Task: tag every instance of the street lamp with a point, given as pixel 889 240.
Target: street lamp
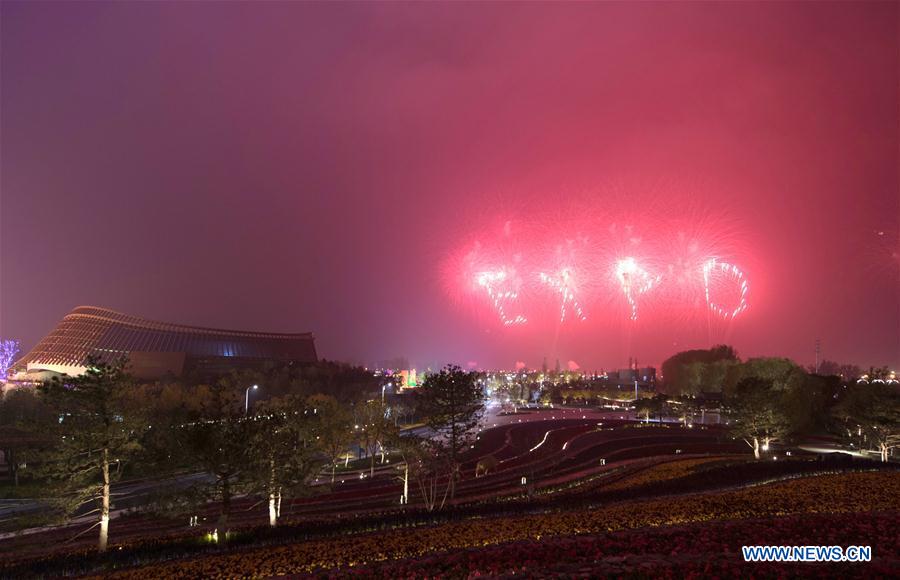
pixel 247 398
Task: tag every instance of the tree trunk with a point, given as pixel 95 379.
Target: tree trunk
pixel 13 465
pixel 333 467
pixel 406 484
pixel 273 513
pixel 453 466
pixel 756 448
pixel 428 489
pixel 226 503
pixel 884 452
pixel 278 504
pixel 104 506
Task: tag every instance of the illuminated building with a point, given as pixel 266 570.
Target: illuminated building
pixel 407 379
pixel 155 349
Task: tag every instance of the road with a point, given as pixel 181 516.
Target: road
pixel 126 495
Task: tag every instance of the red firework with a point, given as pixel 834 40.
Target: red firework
pixel 582 262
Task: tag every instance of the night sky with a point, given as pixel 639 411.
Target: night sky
pixel 322 167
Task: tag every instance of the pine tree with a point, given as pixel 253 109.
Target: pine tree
pixel 98 431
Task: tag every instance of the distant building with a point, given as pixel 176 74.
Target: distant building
pixel 154 349
pixel 407 379
pixel 645 377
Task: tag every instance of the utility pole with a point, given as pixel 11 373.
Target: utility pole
pixel 818 353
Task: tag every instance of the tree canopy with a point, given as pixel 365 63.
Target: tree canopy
pixel 693 371
pixel 452 402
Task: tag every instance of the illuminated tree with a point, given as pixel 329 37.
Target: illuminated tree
pixel 874 411
pixel 802 399
pixel 452 403
pixel 757 413
pixel 281 451
pixel 8 351
pixel 375 429
pixel 216 442
pixel 426 463
pixel 97 431
pixel 650 406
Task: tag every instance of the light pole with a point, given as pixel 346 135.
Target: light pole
pixel 247 398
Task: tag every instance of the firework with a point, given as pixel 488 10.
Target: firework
pixel 555 269
pixel 635 281
pixel 562 283
pixel 716 275
pixel 502 289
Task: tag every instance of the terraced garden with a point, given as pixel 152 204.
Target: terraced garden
pixel 587 484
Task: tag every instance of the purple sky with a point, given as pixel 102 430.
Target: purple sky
pixel 309 167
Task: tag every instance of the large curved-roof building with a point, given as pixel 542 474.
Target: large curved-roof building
pixel 155 349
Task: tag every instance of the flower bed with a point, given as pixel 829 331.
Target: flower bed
pixel 140 539
pixel 662 472
pixel 681 551
pixel 857 492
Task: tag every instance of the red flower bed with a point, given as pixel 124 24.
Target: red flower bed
pixel 684 551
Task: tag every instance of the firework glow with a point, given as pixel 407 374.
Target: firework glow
pixel 635 281
pixel 532 274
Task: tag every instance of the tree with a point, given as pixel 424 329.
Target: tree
pixel 847 372
pixel 874 410
pixel 333 427
pixel 686 372
pixel 281 450
pixel 215 441
pixel 756 412
pixel 649 406
pixel 403 412
pixel 343 382
pixel 452 403
pixel 8 351
pixel 426 462
pixel 784 374
pixel 806 403
pixel 688 406
pixel 802 398
pixel 692 375
pixel 376 430
pixel 25 424
pixel 97 430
